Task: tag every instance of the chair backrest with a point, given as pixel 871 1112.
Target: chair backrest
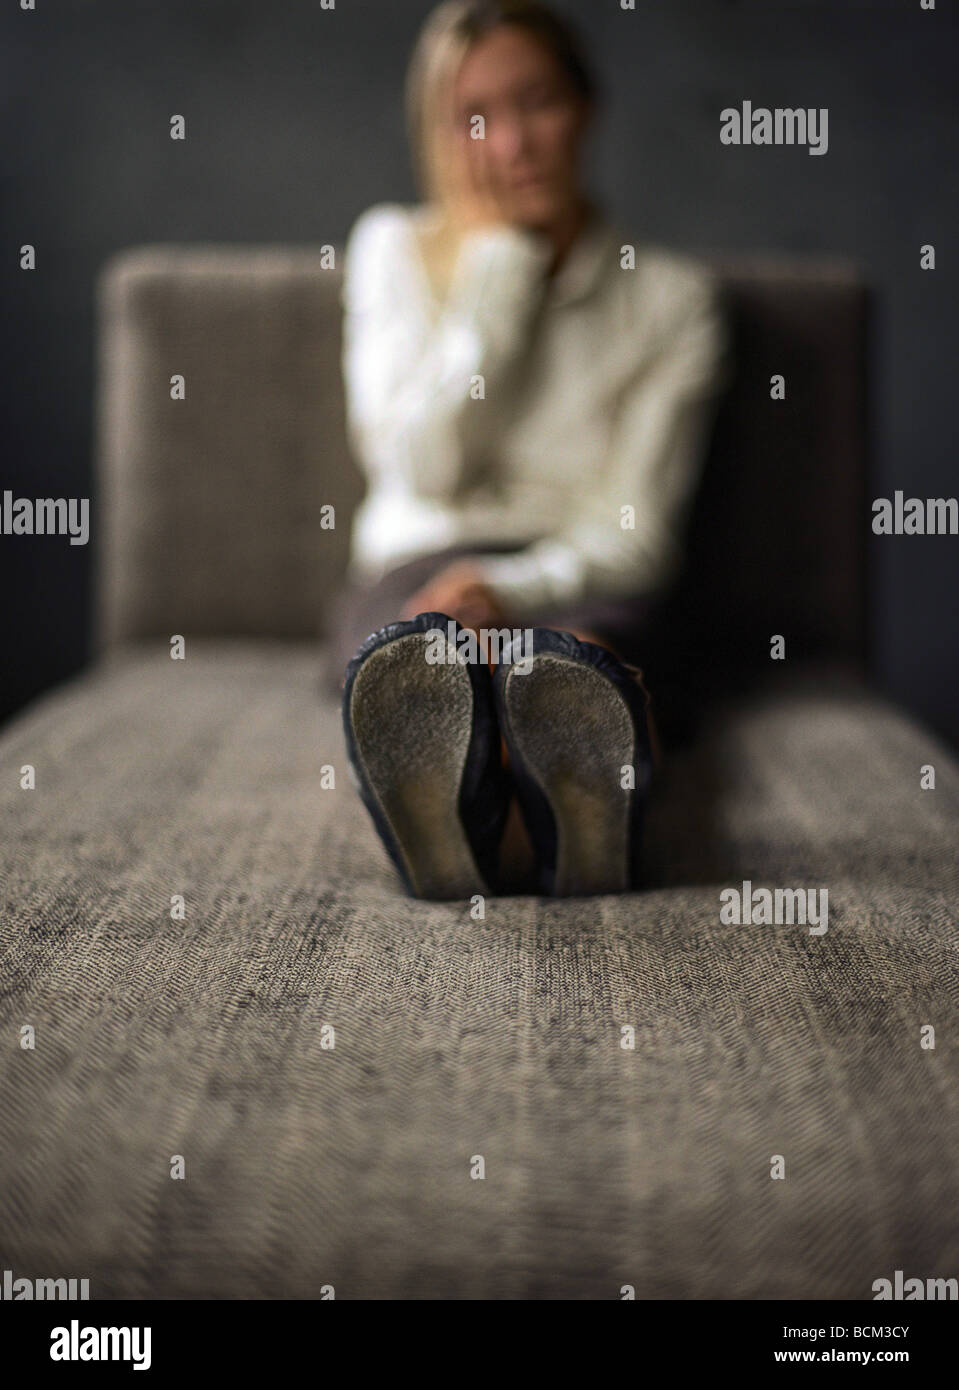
pixel 211 506
pixel 776 540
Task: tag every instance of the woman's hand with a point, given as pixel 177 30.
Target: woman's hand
pixel 479 204
pixel 470 194
pixel 460 591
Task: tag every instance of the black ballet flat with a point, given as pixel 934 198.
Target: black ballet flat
pixel 574 718
pixel 425 755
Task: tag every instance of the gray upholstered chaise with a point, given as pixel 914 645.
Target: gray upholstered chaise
pixel 309 1165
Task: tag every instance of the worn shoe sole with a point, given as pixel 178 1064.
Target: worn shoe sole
pixel 411 724
pixel 571 731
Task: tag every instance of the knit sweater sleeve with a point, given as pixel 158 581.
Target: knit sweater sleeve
pixel 408 370
pixel 627 533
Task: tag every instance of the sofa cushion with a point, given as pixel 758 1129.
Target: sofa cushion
pixel 309 1165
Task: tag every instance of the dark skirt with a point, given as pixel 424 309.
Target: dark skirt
pixel 358 610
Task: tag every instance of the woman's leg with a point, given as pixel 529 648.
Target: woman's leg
pixel 359 609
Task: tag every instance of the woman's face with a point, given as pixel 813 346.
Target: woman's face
pixel 534 122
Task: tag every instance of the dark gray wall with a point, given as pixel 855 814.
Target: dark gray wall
pixel 295 125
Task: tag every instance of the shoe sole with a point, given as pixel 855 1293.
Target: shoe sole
pixel 574 733
pixel 412 722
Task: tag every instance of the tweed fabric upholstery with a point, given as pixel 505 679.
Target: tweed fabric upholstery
pixel 454 1037
pixel 210 508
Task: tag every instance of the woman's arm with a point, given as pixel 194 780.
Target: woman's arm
pixel 658 450
pixel 408 377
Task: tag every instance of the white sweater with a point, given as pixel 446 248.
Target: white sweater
pixel 596 396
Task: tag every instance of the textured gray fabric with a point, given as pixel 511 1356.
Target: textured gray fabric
pixel 208 508
pixel 457 1037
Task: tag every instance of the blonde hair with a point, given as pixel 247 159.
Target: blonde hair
pixel 446 37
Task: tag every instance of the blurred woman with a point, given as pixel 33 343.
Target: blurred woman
pixel 529 394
